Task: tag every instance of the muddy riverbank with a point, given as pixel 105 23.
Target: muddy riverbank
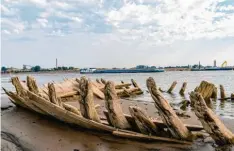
pixel 26 130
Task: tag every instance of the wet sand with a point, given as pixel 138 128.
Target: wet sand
pixel 26 130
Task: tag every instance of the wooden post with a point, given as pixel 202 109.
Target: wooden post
pixel 18 86
pixel 172 87
pixel 211 123
pixel 134 83
pixel 32 85
pixel 232 96
pixel 169 117
pixel 103 81
pixel 222 92
pixel 215 94
pixel 52 95
pixel 98 81
pixel 115 113
pixel 124 83
pixel 87 106
pixel 144 124
pixel 182 90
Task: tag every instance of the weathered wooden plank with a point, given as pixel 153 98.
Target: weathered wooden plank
pixel 144 124
pixel 211 123
pixel 87 106
pixel 169 117
pixel 115 113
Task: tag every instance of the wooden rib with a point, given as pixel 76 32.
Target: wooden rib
pixel 169 117
pixel 159 123
pixel 211 123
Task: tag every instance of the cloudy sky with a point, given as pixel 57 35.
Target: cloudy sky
pixel 116 33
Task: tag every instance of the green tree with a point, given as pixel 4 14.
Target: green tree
pixel 36 68
pixel 3 69
pixel 71 68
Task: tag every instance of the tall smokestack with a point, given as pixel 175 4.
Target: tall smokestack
pixel 214 63
pixel 56 63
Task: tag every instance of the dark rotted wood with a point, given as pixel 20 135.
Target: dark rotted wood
pixel 143 122
pixel 211 123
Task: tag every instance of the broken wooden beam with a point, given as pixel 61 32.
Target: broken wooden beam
pixel 211 123
pixel 115 113
pixel 172 87
pixel 182 90
pixel 206 89
pixel 87 106
pixel 169 117
pixel 52 95
pixel 32 86
pixel 19 86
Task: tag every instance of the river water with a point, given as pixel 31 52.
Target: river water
pixel 226 78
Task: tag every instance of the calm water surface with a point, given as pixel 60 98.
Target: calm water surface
pixel 163 80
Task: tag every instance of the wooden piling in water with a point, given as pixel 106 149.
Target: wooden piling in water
pixel 182 90
pixel 172 87
pixel 222 92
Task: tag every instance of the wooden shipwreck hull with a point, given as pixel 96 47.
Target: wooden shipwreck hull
pixel 49 101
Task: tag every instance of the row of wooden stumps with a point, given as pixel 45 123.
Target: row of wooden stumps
pixel 212 91
pixel 141 121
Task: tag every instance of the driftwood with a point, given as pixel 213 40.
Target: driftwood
pixel 87 106
pixel 182 90
pixel 222 92
pixel 115 113
pixel 144 124
pixel 172 87
pixel 211 123
pixel 232 96
pixel 169 117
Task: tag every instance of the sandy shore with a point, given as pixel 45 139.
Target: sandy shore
pixel 26 130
